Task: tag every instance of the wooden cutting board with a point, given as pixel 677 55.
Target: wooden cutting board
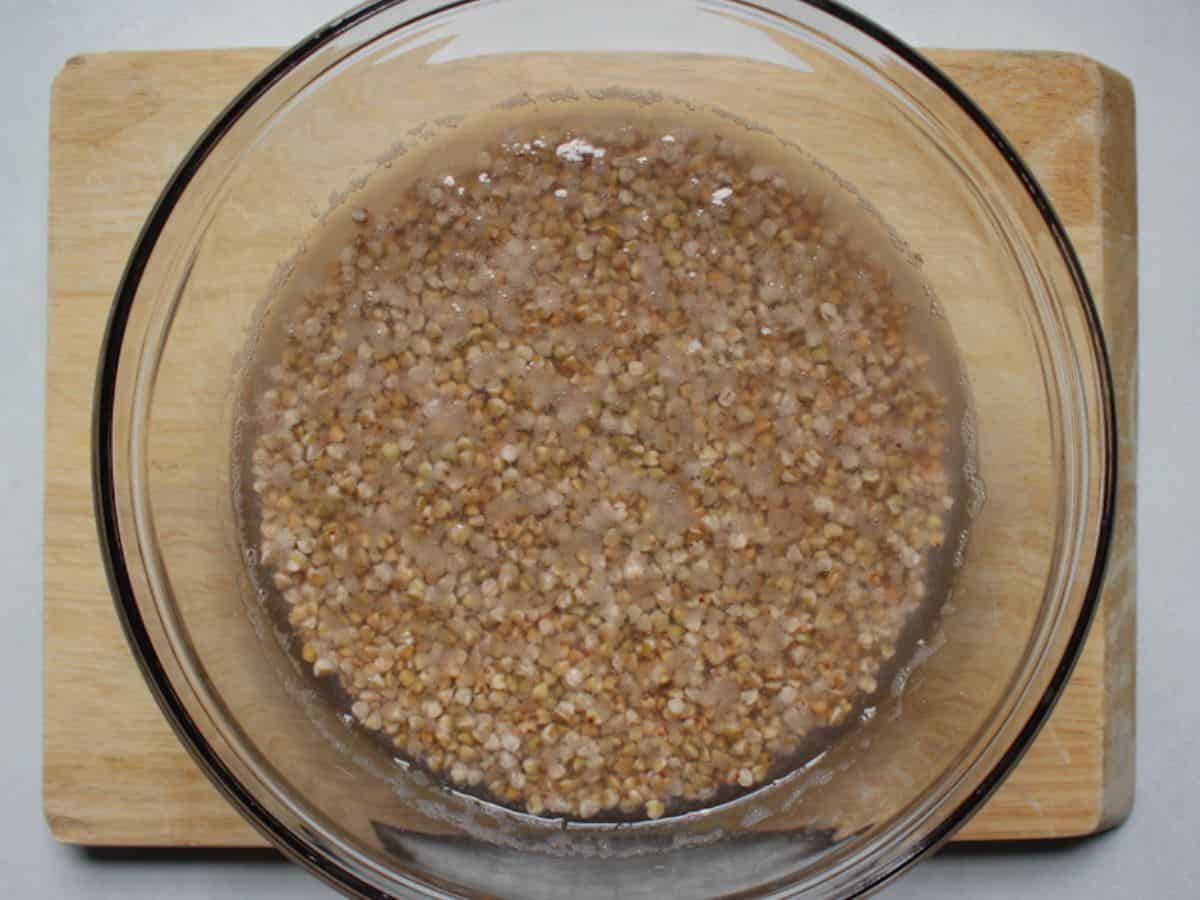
pixel 114 773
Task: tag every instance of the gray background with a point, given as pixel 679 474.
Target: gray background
pixel 1155 854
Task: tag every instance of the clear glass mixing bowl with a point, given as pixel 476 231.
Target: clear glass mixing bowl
pixel 318 123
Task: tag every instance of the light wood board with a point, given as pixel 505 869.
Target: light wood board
pixel 114 773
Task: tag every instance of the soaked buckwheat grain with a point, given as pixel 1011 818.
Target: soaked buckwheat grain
pixel 602 472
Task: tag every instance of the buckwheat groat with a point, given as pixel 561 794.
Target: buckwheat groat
pixel 602 472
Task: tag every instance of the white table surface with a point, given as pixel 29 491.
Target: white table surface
pixel 1156 854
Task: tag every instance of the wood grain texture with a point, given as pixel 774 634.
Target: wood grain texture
pixel 114 772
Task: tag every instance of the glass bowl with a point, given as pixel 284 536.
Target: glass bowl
pixel 312 130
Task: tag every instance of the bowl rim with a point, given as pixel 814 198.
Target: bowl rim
pixel 104 474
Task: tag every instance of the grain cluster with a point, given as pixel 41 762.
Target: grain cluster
pixel 603 472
